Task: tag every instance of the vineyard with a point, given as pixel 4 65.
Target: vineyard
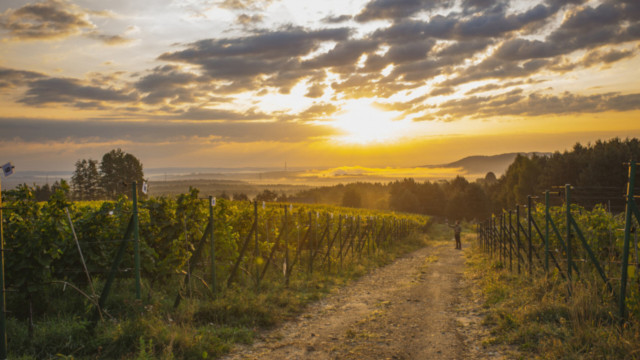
pixel 180 277
pixel 583 260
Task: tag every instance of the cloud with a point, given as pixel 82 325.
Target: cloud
pixel 245 4
pixel 413 52
pixel 497 86
pixel 10 78
pixel 158 131
pixel 245 19
pixel 46 20
pixel 199 113
pixel 490 23
pixel 396 9
pixel 315 91
pixel 54 19
pixel 318 111
pixel 70 91
pixel 345 53
pixel 583 28
pixel 465 48
pixel 336 19
pixel 515 102
pixel 271 58
pixel 168 84
pixel 109 39
pixel 417 50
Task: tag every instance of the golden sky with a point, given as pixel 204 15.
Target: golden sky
pixel 375 83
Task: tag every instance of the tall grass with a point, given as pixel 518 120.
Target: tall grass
pixel 541 318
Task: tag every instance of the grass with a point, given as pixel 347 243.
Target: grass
pixel 200 328
pixel 535 318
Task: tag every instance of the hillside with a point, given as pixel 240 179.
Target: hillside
pixel 482 164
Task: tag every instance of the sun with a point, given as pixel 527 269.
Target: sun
pixel 361 122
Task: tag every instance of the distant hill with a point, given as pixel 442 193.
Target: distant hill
pixel 482 164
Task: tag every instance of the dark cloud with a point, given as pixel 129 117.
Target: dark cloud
pixel 270 58
pixel 490 23
pixel 516 102
pixel 464 49
pixel 498 86
pixel 45 20
pixel 10 78
pixel 54 19
pixel 494 68
pixel 289 42
pixel 169 84
pixel 37 130
pixel 274 58
pixel 583 28
pixel 396 9
pixel 599 57
pixel 70 91
pixel 345 53
pixel 409 52
pixel 337 19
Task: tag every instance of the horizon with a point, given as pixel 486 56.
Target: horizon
pixel 364 83
pixel 472 168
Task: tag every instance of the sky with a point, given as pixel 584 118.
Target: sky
pixel 376 83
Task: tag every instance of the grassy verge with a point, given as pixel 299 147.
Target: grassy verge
pixel 197 329
pixel 536 318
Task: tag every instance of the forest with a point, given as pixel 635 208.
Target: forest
pixel 596 170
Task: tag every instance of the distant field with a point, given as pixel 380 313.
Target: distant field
pixel 217 187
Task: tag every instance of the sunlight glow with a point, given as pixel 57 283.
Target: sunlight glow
pixel 362 123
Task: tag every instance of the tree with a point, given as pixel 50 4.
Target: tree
pixel 240 197
pixel 86 180
pixel 42 193
pixel 267 195
pixel 117 171
pixel 490 178
pixel 351 198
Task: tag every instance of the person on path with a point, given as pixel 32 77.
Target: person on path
pixel 457 229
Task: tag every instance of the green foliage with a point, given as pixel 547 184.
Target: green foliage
pixel 35 234
pixel 267 195
pixel 117 171
pixel 46 267
pixel 86 180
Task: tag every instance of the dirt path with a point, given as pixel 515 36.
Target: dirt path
pixel 419 307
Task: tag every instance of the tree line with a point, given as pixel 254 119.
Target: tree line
pixel 596 169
